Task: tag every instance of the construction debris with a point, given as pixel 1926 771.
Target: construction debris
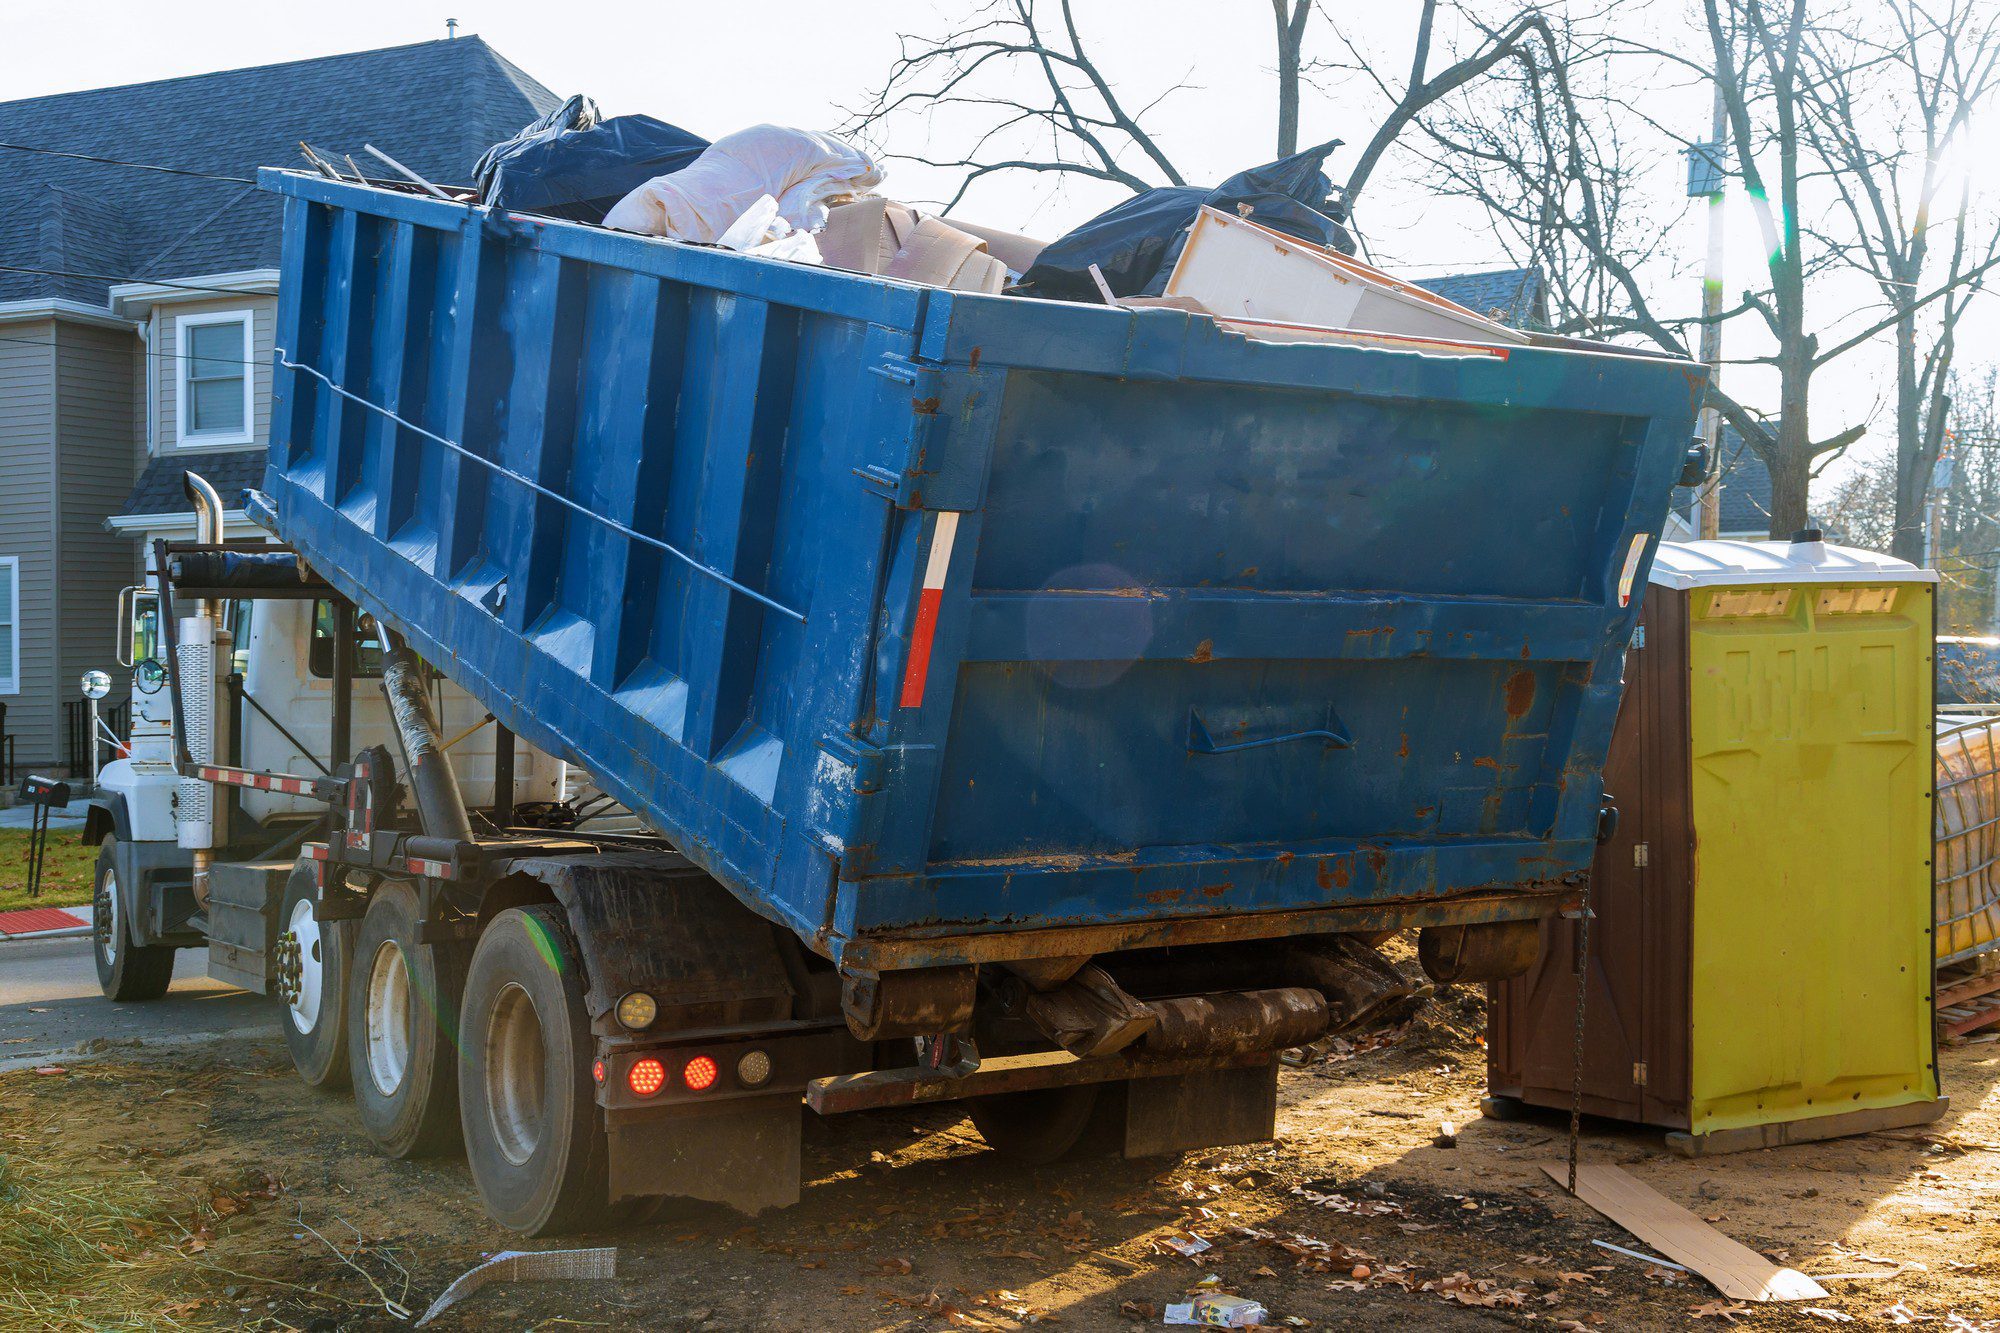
pixel 600 1264
pixel 1735 1270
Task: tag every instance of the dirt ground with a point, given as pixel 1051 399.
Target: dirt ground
pixel 208 1188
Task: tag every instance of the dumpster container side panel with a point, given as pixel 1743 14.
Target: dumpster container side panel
pixel 720 424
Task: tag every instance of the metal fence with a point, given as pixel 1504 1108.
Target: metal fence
pixel 117 719
pixel 1967 874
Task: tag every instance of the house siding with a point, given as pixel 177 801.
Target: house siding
pixel 99 460
pixel 28 528
pixel 263 332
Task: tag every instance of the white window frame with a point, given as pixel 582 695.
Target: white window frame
pixel 10 570
pixel 212 440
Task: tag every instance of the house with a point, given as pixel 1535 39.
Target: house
pixel 1515 296
pixel 137 308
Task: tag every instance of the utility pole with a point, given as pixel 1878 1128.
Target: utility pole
pixel 1706 177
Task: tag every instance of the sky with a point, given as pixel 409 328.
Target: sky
pixel 713 68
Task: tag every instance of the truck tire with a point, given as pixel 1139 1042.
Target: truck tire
pixel 1035 1128
pixel 402 1007
pixel 125 971
pixel 315 1022
pixel 534 1137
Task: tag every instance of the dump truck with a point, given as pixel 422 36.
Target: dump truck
pixel 1043 707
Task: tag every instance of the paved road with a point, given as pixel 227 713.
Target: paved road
pixel 49 995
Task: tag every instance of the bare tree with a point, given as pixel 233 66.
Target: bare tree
pixel 1893 107
pixel 1550 160
pixel 1017 85
pixel 1963 523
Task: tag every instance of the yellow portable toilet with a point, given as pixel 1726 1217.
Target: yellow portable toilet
pixel 1760 959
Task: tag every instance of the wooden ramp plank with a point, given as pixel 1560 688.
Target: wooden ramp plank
pixel 1736 1270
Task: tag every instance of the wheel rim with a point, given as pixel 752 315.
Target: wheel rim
pixel 388 1019
pixel 514 1075
pixel 312 969
pixel 114 919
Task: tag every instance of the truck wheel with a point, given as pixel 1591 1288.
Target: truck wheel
pixel 1035 1128
pixel 402 1005
pixel 314 1012
pixel 533 1135
pixel 125 971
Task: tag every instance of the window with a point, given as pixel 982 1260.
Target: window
pixel 10 624
pixel 213 351
pixel 367 652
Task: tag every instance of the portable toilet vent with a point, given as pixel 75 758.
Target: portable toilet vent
pixel 1760 958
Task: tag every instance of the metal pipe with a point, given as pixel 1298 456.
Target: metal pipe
pixel 440 803
pixel 207 531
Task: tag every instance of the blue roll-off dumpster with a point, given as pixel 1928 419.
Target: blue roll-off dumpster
pixel 947 628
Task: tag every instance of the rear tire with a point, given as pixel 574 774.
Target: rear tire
pixel 534 1137
pixel 316 1022
pixel 1035 1128
pixel 125 971
pixel 402 1005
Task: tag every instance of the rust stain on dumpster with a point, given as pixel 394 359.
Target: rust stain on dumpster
pixel 925 407
pixel 1520 693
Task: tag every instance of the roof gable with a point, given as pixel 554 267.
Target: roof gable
pixel 434 105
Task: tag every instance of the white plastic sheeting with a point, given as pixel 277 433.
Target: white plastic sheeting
pixel 799 169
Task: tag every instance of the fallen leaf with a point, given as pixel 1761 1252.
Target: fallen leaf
pixel 1831 1316
pixel 897 1266
pixel 1726 1309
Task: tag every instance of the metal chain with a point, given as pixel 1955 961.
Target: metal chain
pixel 1576 1053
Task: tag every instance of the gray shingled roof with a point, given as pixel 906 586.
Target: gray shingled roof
pixel 435 106
pixel 1514 296
pixel 159 489
pixel 1746 490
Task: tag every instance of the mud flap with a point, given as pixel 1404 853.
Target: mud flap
pixel 744 1153
pixel 1212 1109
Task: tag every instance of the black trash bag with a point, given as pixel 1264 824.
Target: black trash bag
pixel 578 172
pixel 1136 244
pixel 577 113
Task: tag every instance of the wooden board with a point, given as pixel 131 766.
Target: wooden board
pixel 1737 1271
pixel 1839 1125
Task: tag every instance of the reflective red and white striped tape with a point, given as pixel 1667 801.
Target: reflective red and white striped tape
pixel 924 634
pixel 243 777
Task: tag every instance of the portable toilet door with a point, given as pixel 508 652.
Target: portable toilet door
pixel 1760 968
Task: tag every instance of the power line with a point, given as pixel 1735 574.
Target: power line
pixel 114 277
pixel 137 351
pixel 120 162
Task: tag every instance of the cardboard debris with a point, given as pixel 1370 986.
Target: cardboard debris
pixel 879 236
pixel 1241 269
pixel 599 1264
pixel 1736 1271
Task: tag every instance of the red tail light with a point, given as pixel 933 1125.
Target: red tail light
pixel 646 1077
pixel 699 1073
pixel 597 1070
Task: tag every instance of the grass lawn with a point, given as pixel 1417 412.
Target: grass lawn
pixel 66 875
